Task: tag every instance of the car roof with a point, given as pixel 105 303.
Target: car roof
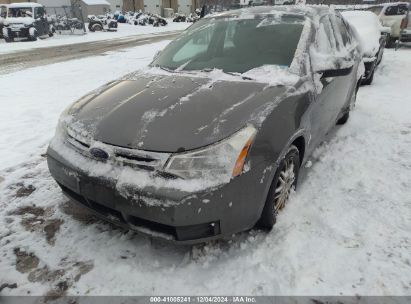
pixel 389 4
pixel 24 4
pixel 308 11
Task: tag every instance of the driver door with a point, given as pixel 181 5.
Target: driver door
pixel 328 99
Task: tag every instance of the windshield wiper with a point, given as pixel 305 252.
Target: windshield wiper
pixel 229 73
pixel 165 68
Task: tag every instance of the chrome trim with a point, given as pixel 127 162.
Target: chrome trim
pixel 123 156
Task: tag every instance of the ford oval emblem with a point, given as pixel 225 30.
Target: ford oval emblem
pixel 99 153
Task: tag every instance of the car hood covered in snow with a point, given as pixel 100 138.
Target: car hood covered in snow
pixel 169 113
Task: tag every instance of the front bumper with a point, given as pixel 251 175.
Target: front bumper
pixel 405 35
pixel 170 214
pixel 21 32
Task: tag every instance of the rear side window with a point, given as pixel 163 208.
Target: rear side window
pixel 341 32
pixel 325 40
pixel 396 10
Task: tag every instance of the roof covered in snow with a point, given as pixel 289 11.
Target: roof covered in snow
pixel 24 4
pixel 96 2
pixel 368 28
pixel 306 10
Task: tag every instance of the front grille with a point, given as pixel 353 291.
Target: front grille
pixel 141 159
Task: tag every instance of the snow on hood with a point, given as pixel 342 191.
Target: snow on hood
pixel 195 111
pixel 368 28
pixel 19 20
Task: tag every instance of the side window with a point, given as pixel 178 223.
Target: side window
pixel 325 40
pixel 341 30
pixel 391 11
pixel 38 12
pixel 402 9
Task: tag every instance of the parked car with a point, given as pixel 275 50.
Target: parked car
pixel 369 29
pixel 405 34
pixel 391 15
pixel 3 15
pixel 26 20
pixel 208 140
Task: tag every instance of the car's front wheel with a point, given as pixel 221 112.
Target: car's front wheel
pixel 285 180
pixel 32 34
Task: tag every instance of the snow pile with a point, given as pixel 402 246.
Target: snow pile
pixel 368 27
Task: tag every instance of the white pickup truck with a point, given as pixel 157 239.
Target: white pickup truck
pixel 391 15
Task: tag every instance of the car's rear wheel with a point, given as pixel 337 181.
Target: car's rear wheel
pixel 285 180
pixel 370 79
pixel 343 119
pixel 391 42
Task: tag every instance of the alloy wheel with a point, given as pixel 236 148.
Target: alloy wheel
pixel 285 183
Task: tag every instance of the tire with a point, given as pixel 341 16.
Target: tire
pixel 391 43
pixel 8 40
pixel 369 80
pixel 343 119
pixel 32 34
pixel 97 27
pixel 282 178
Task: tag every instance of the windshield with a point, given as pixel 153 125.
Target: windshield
pixel 234 44
pixel 20 12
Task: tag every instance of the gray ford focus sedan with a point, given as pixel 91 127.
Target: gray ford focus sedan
pixel 208 140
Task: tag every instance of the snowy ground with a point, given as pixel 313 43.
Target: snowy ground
pixel 346 231
pixel 124 30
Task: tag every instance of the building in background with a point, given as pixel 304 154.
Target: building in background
pixel 91 7
pixel 116 5
pixel 158 6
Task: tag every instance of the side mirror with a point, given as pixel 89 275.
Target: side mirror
pixel 336 72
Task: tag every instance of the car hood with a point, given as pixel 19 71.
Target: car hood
pixel 170 113
pixel 18 20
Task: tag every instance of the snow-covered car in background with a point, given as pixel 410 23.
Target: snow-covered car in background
pixel 368 28
pixel 26 20
pixel 391 15
pixel 209 139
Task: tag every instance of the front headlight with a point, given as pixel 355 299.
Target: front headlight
pixel 222 160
